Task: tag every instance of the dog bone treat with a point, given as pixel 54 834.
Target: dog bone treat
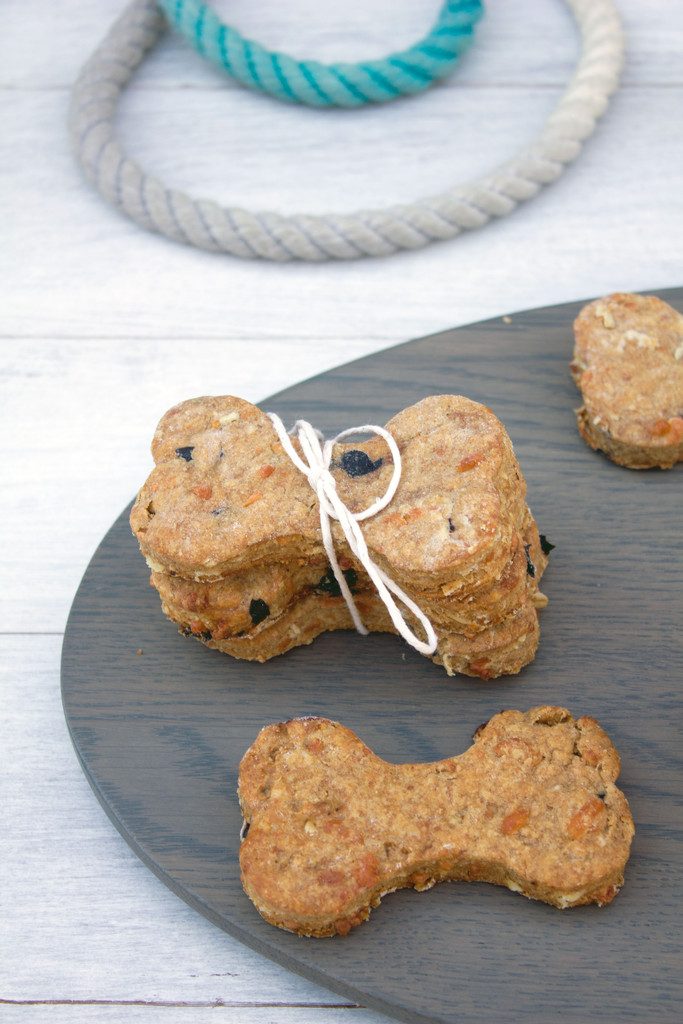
pixel 504 648
pixel 230 528
pixel 628 365
pixel 240 602
pixel 504 643
pixel 330 828
pixel 236 605
pixel 224 494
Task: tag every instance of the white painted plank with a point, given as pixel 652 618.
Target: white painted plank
pixel 82 917
pixel 193 1014
pixel 522 42
pixel 72 266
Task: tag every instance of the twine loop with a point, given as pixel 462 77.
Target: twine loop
pixel 316 468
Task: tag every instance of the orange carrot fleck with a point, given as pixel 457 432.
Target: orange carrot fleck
pixel 673 426
pixel 514 821
pixel 256 496
pixel 367 871
pixel 480 668
pixel 202 491
pixel 469 462
pixel 266 471
pixel 586 818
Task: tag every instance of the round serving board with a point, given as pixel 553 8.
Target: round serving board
pixel 160 735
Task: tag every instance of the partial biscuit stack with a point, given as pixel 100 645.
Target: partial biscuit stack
pixel 230 528
pixel 628 365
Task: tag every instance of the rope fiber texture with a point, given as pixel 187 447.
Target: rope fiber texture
pixel 272 236
pixel 328 85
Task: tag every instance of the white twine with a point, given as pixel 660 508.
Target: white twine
pixel 318 454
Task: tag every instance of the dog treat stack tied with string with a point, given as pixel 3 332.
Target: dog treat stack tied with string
pixel 259 540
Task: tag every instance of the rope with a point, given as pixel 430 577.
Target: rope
pixel 264 235
pixel 316 469
pixel 328 85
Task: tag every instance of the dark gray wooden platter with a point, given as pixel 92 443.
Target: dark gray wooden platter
pixel 160 735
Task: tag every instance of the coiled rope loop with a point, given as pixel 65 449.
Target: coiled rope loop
pixel 328 85
pixel 272 236
pixel 318 455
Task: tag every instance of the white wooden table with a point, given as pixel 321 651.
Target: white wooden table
pixel 103 327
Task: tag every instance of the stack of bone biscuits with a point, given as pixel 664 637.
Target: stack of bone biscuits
pixel 231 531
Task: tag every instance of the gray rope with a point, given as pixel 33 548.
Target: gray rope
pixel 265 235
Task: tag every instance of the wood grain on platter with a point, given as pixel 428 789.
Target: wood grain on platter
pixel 160 735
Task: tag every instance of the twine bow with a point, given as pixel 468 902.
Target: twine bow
pixel 318 454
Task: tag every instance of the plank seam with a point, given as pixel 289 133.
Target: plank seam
pixel 192 1004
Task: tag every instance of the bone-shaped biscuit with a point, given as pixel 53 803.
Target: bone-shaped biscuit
pixel 224 495
pixel 330 827
pixel 231 531
pixel 503 648
pixel 236 605
pixel 628 365
pixel 264 612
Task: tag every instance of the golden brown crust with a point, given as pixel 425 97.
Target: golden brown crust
pixel 225 607
pixel 532 805
pixel 230 529
pixel 491 633
pixel 504 648
pixel 233 497
pixel 628 365
pixel 222 607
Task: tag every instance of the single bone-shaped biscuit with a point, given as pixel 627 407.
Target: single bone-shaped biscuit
pixel 330 827
pixel 224 494
pixel 628 365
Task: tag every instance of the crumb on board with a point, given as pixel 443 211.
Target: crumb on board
pixel 139 651
pixel 507 319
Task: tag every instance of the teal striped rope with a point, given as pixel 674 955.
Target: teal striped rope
pixel 328 85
